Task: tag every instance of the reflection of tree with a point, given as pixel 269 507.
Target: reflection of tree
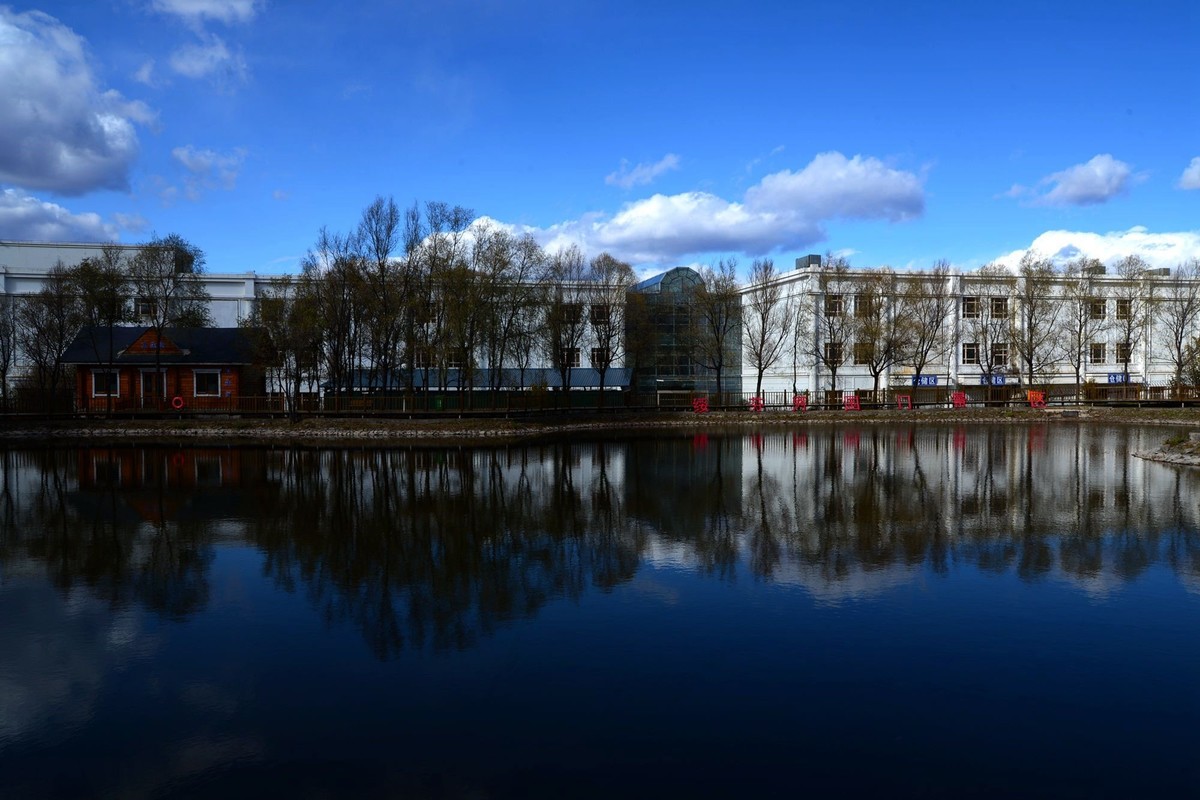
pixel 438 547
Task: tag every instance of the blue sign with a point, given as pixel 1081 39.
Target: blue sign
pixel 1118 377
pixel 994 380
pixel 925 380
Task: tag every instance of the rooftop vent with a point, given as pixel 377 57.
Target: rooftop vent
pixel 808 262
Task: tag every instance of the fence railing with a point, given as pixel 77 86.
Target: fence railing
pixel 503 402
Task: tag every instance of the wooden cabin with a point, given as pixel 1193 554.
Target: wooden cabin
pixel 138 368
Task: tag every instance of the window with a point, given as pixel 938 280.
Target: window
pixel 143 307
pixel 834 353
pixel 572 313
pixel 600 357
pixel 1124 309
pixel 208 382
pixel 601 314
pixel 865 306
pixel 970 354
pixel 1124 353
pixel 105 383
pixel 422 358
pixel 1097 309
pixel 1097 353
pixel 864 352
pixel 570 357
pixel 999 306
pixel 999 354
pixel 456 358
pixel 970 308
pixel 833 305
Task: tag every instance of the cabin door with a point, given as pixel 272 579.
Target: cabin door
pixel 154 388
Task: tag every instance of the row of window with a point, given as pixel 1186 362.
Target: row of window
pixel 865 351
pixel 206 382
pixel 835 306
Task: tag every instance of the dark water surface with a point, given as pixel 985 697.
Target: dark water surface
pixel 985 611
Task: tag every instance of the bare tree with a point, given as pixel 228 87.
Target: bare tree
pixel 767 319
pixel 1136 300
pixel 384 287
pixel 1178 314
pixel 609 283
pixel 924 308
pixel 836 324
pixel 285 331
pixel 880 334
pixel 565 323
pixel 1035 324
pixel 103 288
pixel 8 346
pixel 716 320
pixel 987 321
pixel 332 270
pixel 1084 315
pixel 47 323
pixel 166 281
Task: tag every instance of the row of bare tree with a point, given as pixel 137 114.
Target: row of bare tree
pixel 1037 320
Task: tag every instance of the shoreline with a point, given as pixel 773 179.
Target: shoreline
pixel 495 430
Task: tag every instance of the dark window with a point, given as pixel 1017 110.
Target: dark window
pixel 600 314
pixel 208 383
pixel 833 305
pixel 1124 309
pixel 999 354
pixel 863 352
pixel 1124 352
pixel 1097 309
pixel 600 356
pixel 1097 353
pixel 970 354
pixel 999 306
pixel 834 353
pixel 105 383
pixel 970 308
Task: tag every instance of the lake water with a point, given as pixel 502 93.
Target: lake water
pixel 963 611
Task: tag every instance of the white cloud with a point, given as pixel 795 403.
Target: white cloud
pixel 642 174
pixel 1095 182
pixel 59 130
pixel 28 219
pixel 785 210
pixel 1157 249
pixel 280 195
pixel 134 223
pixel 195 12
pixel 1190 179
pixel 208 169
pixel 210 57
pixel 145 74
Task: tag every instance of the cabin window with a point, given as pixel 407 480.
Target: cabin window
pixel 105 383
pixel 208 382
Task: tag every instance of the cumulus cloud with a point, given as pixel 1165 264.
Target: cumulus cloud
pixel 210 56
pixel 195 12
pixel 784 210
pixel 59 130
pixel 642 174
pixel 1166 249
pixel 1098 181
pixel 26 218
pixel 208 169
pixel 1190 179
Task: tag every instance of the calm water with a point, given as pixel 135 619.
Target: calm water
pixel 983 611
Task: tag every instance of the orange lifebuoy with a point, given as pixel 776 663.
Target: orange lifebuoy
pixel 177 402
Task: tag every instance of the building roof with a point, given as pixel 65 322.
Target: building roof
pixel 673 280
pixel 195 346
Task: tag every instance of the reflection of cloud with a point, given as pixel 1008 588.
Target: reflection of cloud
pixel 55 658
pixel 855 583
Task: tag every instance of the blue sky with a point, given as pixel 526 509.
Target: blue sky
pixel 666 133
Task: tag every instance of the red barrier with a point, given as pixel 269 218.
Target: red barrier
pixel 904 402
pixel 800 402
pixel 756 404
pixel 850 403
pixel 700 405
pixel 1037 399
pixel 959 399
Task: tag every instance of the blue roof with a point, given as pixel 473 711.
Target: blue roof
pixel 671 280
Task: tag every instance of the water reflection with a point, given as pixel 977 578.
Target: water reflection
pixel 420 548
